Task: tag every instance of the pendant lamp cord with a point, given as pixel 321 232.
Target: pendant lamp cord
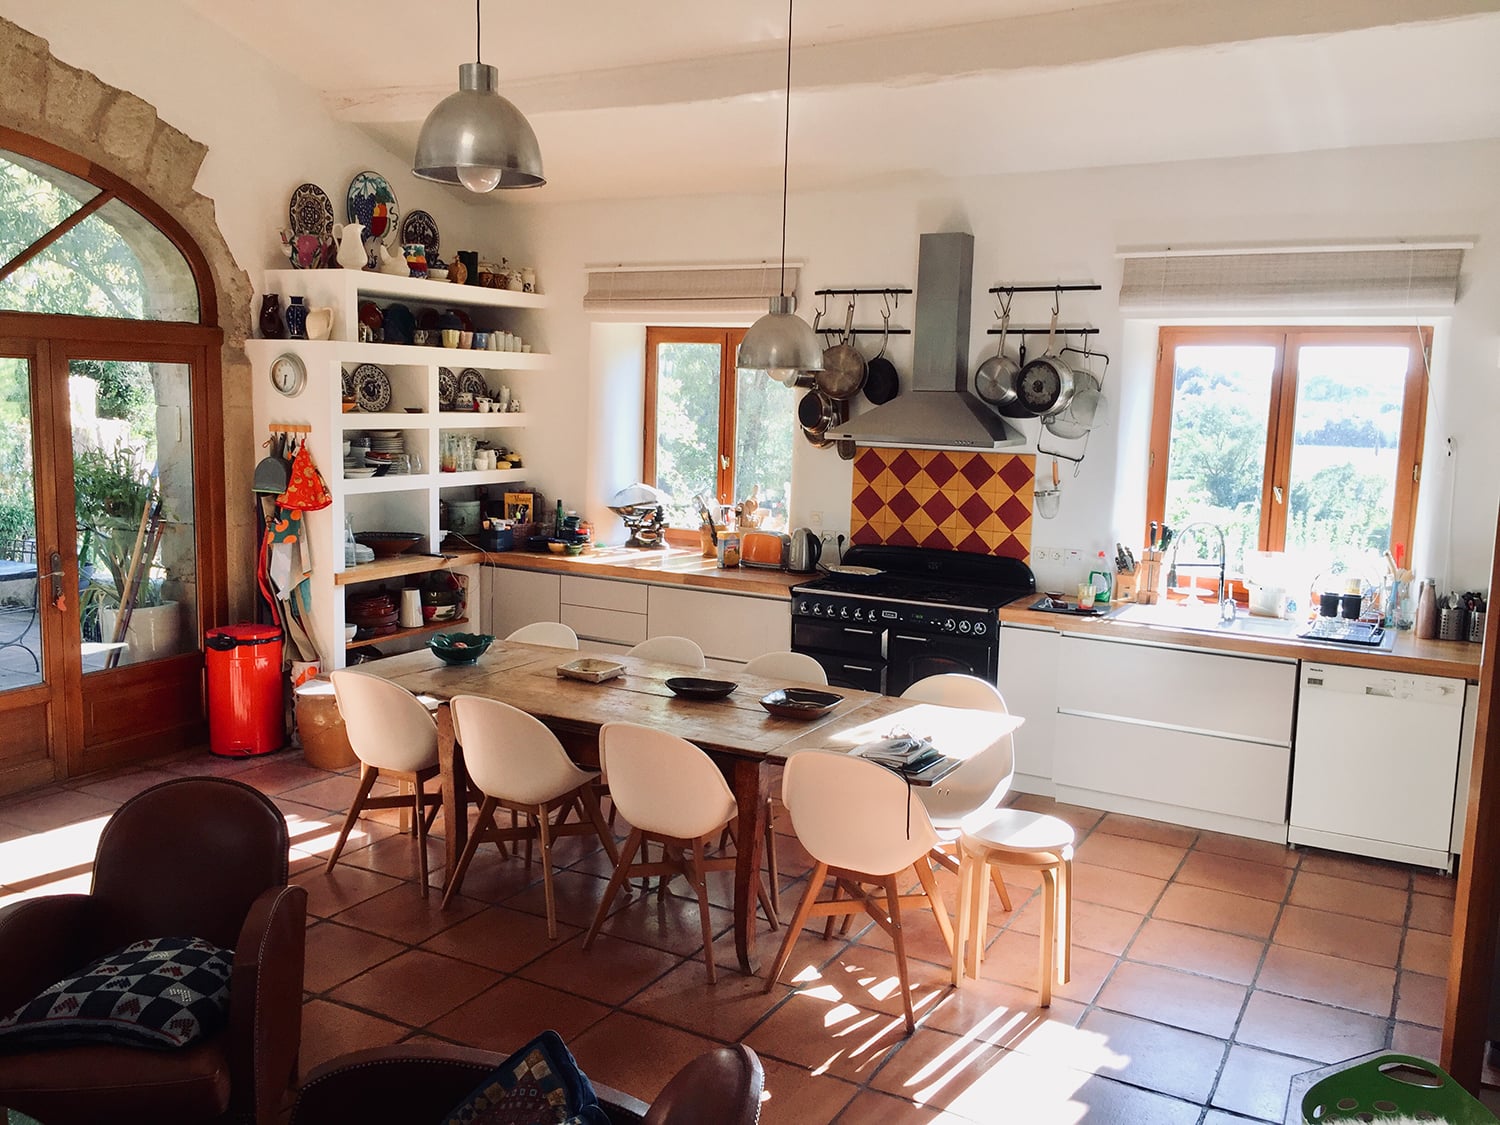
pixel 477 57
pixel 786 141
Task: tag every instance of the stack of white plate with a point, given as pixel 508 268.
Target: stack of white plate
pixel 387 441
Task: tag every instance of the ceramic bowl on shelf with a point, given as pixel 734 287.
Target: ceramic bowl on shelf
pixel 388 543
pixel 556 546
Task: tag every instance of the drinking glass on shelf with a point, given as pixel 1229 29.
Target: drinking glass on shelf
pixel 1086 594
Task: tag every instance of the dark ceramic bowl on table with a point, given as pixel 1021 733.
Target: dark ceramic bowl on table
pixel 459 648
pixel 695 687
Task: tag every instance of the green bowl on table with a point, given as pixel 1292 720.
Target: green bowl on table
pixel 459 648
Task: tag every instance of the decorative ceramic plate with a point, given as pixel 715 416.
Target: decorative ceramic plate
pixel 372 388
pixel 800 703
pixel 694 687
pixel 447 387
pixel 358 474
pixel 310 211
pixel 471 382
pixel 346 385
pixel 421 227
pixel 372 203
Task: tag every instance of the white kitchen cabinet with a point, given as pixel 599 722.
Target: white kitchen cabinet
pixel 1176 734
pixel 728 627
pixel 388 503
pixel 519 597
pixel 1028 680
pixel 604 609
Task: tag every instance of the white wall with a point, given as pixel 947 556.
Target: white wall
pixel 1042 228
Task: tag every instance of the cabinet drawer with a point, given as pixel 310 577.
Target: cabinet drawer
pixel 1172 767
pixel 1205 692
pixel 605 624
pixel 603 593
pixel 727 626
pixel 518 597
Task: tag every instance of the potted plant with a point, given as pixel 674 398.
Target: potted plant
pixel 115 494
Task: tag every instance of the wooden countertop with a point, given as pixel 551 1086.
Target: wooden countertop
pixel 1458 659
pixel 671 566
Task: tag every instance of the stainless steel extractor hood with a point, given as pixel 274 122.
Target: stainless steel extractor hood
pixel 938 412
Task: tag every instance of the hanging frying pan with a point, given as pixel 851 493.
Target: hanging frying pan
pixel 881 381
pixel 843 371
pixel 995 381
pixel 1045 385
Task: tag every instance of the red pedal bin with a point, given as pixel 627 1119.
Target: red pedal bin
pixel 246 708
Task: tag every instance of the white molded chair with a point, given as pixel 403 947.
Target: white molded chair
pixel 671 793
pixel 392 733
pixel 967 798
pixel 857 821
pixel 670 650
pixel 554 634
pixel 518 764
pixel 797 667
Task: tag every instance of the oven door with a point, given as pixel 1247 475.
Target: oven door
pixel 912 656
pixel 852 656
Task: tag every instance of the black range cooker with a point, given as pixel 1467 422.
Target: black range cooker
pixel 920 613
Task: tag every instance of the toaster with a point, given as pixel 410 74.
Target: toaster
pixel 766 549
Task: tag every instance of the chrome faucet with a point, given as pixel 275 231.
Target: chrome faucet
pixel 1226 603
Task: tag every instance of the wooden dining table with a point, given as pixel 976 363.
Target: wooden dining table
pixel 743 739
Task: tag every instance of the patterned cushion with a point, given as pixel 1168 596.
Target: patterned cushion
pixel 162 992
pixel 538 1085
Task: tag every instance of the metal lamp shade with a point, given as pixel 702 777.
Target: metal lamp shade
pixel 781 344
pixel 474 134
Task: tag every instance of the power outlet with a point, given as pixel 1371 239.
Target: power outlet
pixel 1073 557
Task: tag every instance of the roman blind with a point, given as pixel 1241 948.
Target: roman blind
pixel 679 289
pixel 1376 280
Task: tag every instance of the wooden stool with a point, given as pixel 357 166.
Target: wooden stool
pixel 1016 838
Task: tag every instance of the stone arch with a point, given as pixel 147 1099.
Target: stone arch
pixel 116 130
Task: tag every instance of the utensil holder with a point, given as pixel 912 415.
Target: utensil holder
pixel 1476 626
pixel 1453 624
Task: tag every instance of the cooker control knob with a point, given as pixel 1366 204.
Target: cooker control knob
pixel 817 609
pixel 856 614
pixel 843 611
pixel 949 625
pixel 980 628
pixel 963 626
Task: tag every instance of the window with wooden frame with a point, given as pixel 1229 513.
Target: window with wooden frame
pixel 714 432
pixel 1306 441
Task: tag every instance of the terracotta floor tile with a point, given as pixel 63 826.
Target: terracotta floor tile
pixel 793 1096
pixel 872 1108
pixel 1359 869
pixel 1015 957
pixel 396 855
pixel 826 1035
pixel 1137 828
pixel 1127 853
pixel 1346 896
pixel 919 932
pixel 1421 999
pixel 1108 886
pixel 122 786
pixel 201 763
pixel 611 972
pixel 1239 847
pixel 932 1068
pixel 1154 1056
pixel 1412 1039
pixel 1424 952
pixel 661 921
pixel 1356 940
pixel 725 1010
pixel 499 939
pixel 1431 913
pixel 403 914
pixel 1218 910
pixel 867 976
pixel 277 775
pixel 635 1055
pixel 334 792
pixel 1312 1031
pixel 1235 875
pixel 415 987
pixel 509 1014
pixel 56 808
pixel 1000 1014
pixel 329 893
pixel 1255 1083
pixel 578 897
pixel 491 879
pixel 330 1030
pixel 1431 883
pixel 315 831
pixel 337 953
pixel 1190 1002
pixel 1097 927
pixel 1083 820
pixel 1197 950
pixel 1328 980
pixel 1219 1117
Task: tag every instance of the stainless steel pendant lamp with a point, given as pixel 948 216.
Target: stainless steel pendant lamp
pixel 477 138
pixel 781 343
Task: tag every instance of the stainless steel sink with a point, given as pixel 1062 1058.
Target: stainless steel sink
pixel 1203 619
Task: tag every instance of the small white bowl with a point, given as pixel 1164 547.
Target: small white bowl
pixel 349 631
pixel 438 275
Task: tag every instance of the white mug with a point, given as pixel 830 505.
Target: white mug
pixel 411 608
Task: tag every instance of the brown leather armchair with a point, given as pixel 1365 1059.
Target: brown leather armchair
pixel 420 1083
pixel 203 857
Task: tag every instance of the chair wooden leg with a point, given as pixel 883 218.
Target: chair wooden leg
pixel 773 872
pixel 815 883
pixel 404 821
pixel 616 881
pixel 589 799
pixel 898 944
pixel 1065 910
pixel 934 895
pixel 700 886
pixel 419 818
pixel 367 776
pixel 999 881
pixel 1049 934
pixel 979 924
pixel 544 833
pixel 965 913
pixel 471 845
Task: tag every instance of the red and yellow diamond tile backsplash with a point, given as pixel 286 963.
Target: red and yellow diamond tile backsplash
pixel 948 499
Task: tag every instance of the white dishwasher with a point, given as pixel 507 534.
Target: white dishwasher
pixel 1374 763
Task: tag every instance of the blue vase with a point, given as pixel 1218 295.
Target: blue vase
pixel 296 319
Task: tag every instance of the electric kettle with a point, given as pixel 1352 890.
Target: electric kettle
pixel 802 556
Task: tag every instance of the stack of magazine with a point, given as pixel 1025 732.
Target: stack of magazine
pixel 915 759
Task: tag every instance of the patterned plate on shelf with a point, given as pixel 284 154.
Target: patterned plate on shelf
pixel 421 227
pixel 310 211
pixel 447 388
pixel 471 382
pixel 372 388
pixel 346 385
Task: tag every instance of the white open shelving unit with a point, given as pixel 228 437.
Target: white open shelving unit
pixel 389 503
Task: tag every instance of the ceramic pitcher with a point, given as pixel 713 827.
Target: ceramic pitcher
pixel 351 246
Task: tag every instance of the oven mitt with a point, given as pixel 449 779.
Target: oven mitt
pixel 307 490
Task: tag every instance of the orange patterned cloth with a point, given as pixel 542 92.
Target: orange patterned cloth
pixel 307 489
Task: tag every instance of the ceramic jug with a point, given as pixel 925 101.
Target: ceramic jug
pixel 351 246
pixel 319 323
pixel 393 264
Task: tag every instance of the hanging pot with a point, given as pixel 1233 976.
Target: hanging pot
pixel 881 381
pixel 829 413
pixel 1045 385
pixel 844 370
pixel 995 381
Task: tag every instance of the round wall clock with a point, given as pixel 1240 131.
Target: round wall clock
pixel 288 375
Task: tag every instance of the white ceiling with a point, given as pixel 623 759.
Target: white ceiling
pixel 669 97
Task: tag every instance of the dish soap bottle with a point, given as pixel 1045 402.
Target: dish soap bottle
pixel 1102 581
